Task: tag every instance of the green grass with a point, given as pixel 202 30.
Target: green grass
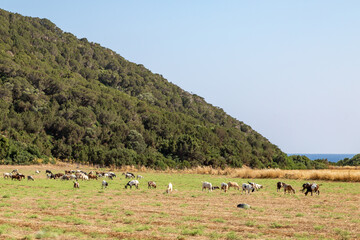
pixel 218 220
pixel 150 212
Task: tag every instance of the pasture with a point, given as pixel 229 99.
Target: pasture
pixel 53 209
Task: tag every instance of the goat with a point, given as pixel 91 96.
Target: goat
pixel 111 175
pixel 50 175
pixel 256 186
pixel 104 184
pixel 128 175
pixel 288 188
pixel 169 188
pixel 279 185
pixel 151 184
pixel 48 171
pixel 30 178
pixel 37 171
pixel 92 176
pixel 224 186
pixel 58 175
pixel 107 175
pixel 73 176
pixel 15 171
pixel 76 184
pixel 21 175
pixel 311 188
pixel 234 185
pixel 248 188
pixel 83 177
pixel 65 177
pixel 139 177
pixel 206 185
pixel 18 177
pixel 133 183
pixel 7 175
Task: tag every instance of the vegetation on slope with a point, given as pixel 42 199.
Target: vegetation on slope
pixel 68 98
pixel 354 161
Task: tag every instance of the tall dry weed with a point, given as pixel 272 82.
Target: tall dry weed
pixel 334 174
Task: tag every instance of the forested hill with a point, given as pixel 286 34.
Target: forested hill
pixel 75 100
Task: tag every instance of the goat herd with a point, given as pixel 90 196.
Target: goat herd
pixel 75 175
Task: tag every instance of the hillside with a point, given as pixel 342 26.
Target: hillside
pixel 75 100
pixel 354 161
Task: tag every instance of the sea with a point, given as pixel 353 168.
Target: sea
pixel 329 157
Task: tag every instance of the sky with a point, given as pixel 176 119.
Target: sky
pixel 289 69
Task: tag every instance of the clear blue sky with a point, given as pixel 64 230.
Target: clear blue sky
pixel 289 69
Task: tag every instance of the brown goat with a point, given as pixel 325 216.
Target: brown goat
pixel 18 177
pixel 234 185
pixel 151 184
pixel 92 176
pixel 288 188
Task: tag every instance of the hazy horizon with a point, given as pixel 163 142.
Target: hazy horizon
pixel 287 69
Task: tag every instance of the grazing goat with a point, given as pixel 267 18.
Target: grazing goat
pixel 133 183
pixel 129 175
pixel 206 185
pixel 7 175
pixel 58 175
pixel 248 188
pixel 37 171
pixel 311 187
pixel 30 178
pixel 169 188
pixel 76 184
pixel 111 175
pixel 234 185
pixel 151 184
pixel 288 188
pixel 83 176
pixel 18 177
pixel 279 185
pixel 106 175
pixel 256 186
pixel 104 184
pixel 50 175
pixel 92 176
pixel 15 171
pixel 224 186
pixel 139 177
pixel 65 177
pixel 73 176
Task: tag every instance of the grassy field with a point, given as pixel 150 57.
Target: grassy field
pixel 52 209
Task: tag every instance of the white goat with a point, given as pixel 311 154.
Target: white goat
pixel 104 184
pixel 7 175
pixel 247 187
pixel 206 185
pixel 169 188
pixel 256 186
pixel 132 183
pixel 224 186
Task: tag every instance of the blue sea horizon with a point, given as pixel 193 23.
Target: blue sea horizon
pixel 329 157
